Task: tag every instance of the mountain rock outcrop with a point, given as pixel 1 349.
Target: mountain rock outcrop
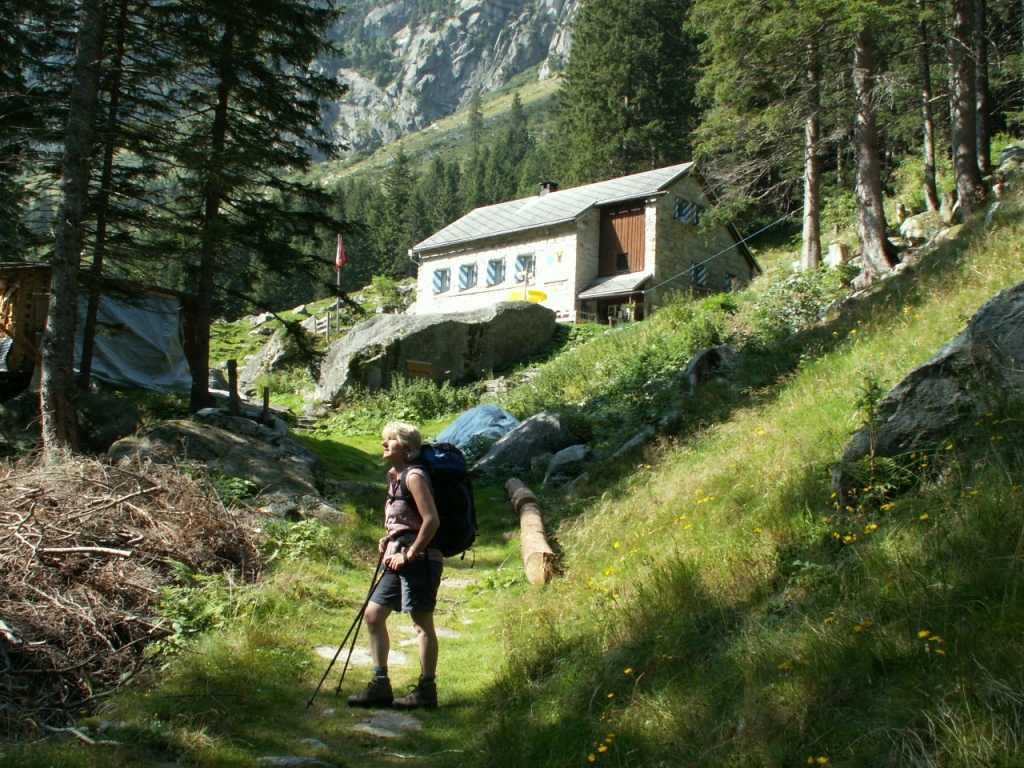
pixel 411 62
pixel 973 374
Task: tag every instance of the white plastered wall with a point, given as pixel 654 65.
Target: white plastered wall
pixel 555 251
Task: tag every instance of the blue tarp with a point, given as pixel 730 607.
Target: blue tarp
pixel 488 421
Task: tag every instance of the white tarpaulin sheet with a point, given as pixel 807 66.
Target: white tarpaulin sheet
pixel 138 343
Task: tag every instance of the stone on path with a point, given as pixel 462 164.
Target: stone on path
pixel 361 656
pixel 388 724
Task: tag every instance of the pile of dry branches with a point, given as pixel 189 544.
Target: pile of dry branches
pixel 84 550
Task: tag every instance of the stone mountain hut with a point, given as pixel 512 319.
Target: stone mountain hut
pixel 605 252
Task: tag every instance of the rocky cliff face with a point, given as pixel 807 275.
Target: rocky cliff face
pixel 411 62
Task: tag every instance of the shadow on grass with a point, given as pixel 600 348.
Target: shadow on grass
pixel 345 462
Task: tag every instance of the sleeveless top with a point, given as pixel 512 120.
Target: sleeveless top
pixel 401 516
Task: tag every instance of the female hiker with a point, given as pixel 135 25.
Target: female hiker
pixel 412 572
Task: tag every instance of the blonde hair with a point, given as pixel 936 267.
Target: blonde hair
pixel 406 434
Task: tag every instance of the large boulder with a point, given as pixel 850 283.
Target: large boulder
pixel 455 347
pixel 923 227
pixel 541 433
pixel 283 350
pixel 949 392
pixel 232 446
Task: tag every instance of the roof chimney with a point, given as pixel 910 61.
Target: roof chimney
pixel 548 186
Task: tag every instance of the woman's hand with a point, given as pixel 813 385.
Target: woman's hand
pixel 396 561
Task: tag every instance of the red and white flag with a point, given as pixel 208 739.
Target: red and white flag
pixel 339 258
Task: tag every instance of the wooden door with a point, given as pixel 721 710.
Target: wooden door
pixel 622 240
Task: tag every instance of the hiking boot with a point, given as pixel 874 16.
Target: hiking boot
pixel 377 694
pixel 422 696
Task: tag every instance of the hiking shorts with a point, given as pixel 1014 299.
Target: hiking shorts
pixel 414 588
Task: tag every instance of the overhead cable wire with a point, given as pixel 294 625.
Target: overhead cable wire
pixel 738 243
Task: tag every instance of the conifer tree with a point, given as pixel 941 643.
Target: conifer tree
pixel 392 219
pixel 251 102
pixel 772 85
pixel 510 150
pixel 627 103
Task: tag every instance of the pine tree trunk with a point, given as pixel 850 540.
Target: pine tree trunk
pixel 57 383
pixel 810 254
pixel 213 196
pixel 931 194
pixel 876 250
pixel 983 96
pixel 963 110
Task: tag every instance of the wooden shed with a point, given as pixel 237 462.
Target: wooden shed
pixel 24 300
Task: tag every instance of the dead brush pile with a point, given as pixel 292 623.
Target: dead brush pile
pixel 84 550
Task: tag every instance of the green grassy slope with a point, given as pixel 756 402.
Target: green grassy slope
pixel 717 609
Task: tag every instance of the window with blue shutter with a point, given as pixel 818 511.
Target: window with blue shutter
pixel 442 280
pixel 687 212
pixel 699 276
pixel 525 267
pixel 467 276
pixel 495 271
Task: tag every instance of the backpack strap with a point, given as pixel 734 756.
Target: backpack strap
pixel 403 490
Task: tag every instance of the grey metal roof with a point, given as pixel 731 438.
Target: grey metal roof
pixel 614 286
pixel 552 208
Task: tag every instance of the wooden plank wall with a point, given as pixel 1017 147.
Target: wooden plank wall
pixel 622 231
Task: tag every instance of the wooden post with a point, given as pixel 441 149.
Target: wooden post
pixel 234 404
pixel 538 558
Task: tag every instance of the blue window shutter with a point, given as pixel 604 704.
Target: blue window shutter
pixel 524 265
pixel 441 280
pixel 495 271
pixel 687 212
pixel 699 276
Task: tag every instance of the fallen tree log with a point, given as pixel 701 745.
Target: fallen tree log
pixel 538 558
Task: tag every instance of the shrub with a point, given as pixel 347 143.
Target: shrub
pixel 417 401
pixel 797 301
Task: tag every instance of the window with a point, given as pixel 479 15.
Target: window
pixel 699 276
pixel 442 280
pixel 622 262
pixel 495 271
pixel 467 276
pixel 525 267
pixel 687 212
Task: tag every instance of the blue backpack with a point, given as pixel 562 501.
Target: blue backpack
pixel 453 496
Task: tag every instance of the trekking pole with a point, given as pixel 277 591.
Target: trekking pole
pixel 377 574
